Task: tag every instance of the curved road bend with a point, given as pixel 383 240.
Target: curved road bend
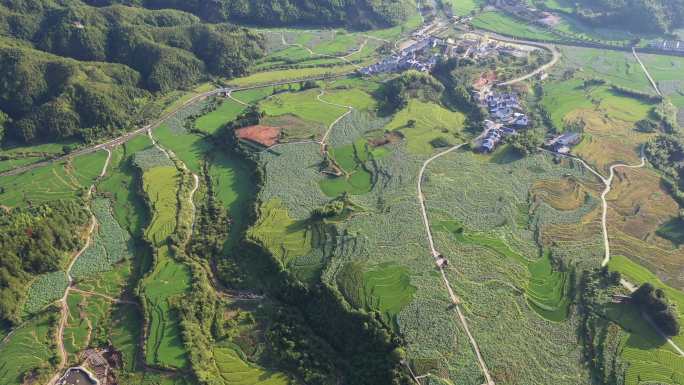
pixel 604 225
pixel 435 254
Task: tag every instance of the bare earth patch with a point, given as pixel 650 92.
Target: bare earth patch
pixel 264 135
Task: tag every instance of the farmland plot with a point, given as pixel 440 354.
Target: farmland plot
pixel 119 185
pixel 161 186
pixel 30 347
pixel 164 346
pixel 109 245
pixel 44 290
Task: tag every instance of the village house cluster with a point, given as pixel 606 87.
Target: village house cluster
pixel 421 55
pixel 479 48
pixel 506 117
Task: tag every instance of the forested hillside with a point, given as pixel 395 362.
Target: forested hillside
pixel 352 13
pixel 644 15
pixel 48 96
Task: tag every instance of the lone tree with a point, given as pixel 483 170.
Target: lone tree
pixel 653 303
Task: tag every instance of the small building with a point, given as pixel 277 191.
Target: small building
pixel 562 143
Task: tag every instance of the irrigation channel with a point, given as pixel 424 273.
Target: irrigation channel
pixel 436 255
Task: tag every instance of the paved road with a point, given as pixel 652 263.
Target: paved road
pixel 549 47
pixel 435 254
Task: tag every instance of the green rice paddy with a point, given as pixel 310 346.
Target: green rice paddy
pixel 283 236
pixel 164 346
pixel 431 122
pixel 226 112
pixel 161 186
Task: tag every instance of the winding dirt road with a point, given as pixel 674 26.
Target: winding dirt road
pixel 435 254
pixel 64 314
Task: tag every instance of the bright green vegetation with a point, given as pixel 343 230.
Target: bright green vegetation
pixel 562 98
pixel 44 290
pixel 30 347
pixel 638 275
pixel 120 185
pixel 283 236
pixel 113 280
pixel 386 288
pixel 303 104
pixel 226 112
pixel 87 168
pixel 357 178
pixel 161 186
pixel 6 165
pixel 57 181
pixel 617 67
pixel 667 70
pixel 108 246
pixel 547 290
pixel 189 148
pixel 357 98
pixel 235 371
pixel 234 187
pixel 431 122
pixel 291 74
pixel 463 7
pixel 648 356
pixel 169 279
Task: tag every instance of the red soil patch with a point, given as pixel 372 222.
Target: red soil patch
pixel 264 135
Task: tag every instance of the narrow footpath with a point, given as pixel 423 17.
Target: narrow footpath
pixel 436 255
pixel 648 74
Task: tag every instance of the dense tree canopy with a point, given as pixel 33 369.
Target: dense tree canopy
pixel 353 13
pixel 34 241
pixel 51 97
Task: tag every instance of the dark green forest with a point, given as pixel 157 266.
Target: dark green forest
pixel 86 69
pixel 77 71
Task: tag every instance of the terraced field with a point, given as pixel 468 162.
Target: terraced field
pixel 64 180
pixel 161 186
pixel 278 232
pixel 31 347
pixel 235 371
pixel 164 346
